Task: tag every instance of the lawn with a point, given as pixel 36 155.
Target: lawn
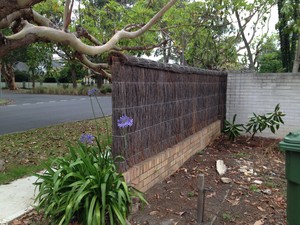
pixel 26 153
pixel 3 101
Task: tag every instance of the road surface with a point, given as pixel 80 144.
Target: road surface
pixel 27 111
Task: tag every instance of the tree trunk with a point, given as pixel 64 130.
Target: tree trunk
pixel 99 80
pixel 33 79
pixel 73 73
pixel 297 58
pixel 249 53
pixel 9 76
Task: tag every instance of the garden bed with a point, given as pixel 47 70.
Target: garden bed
pixel 255 195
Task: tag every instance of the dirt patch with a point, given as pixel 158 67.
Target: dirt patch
pixel 255 195
pixel 256 192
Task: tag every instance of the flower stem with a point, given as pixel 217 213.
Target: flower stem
pixel 97 125
pixel 105 120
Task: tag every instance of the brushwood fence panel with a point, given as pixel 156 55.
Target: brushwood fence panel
pixel 167 103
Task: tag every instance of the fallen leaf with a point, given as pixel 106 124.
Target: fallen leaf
pixel 259 222
pixel 153 213
pixel 211 195
pixel 180 213
pixel 261 209
pixel 234 202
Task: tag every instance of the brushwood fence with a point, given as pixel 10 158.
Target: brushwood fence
pixel 167 102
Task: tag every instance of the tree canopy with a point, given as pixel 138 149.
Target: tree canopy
pixel 31 21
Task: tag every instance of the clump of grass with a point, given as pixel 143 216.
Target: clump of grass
pixel 3 101
pixel 28 152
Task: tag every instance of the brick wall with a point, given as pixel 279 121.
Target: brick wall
pixel 259 93
pixel 158 167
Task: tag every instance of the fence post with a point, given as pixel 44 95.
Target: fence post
pixel 201 196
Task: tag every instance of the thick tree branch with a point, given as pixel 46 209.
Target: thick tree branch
pixel 96 67
pixel 50 34
pixel 29 14
pixel 7 46
pixel 297 58
pixel 67 14
pixel 249 54
pixel 10 6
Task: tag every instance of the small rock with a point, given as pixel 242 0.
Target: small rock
pixel 257 182
pixel 226 180
pixel 267 191
pixel 2 165
pixel 221 167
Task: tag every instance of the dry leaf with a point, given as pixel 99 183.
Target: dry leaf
pixel 259 222
pixel 153 213
pixel 234 202
pixel 261 209
pixel 211 195
pixel 180 213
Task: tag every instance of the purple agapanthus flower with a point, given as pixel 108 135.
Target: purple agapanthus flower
pixel 125 121
pixel 86 138
pixel 92 92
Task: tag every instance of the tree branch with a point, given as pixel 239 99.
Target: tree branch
pixel 96 67
pixel 82 32
pixel 139 48
pixel 67 14
pixel 15 5
pixel 29 14
pixel 7 46
pixel 50 34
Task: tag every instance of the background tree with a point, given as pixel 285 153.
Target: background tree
pixel 39 60
pixel 269 57
pixel 289 29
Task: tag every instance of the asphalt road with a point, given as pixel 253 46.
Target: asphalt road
pixel 28 111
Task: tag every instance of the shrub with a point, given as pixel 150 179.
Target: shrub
pixel 106 88
pixel 233 130
pixel 258 123
pixel 85 187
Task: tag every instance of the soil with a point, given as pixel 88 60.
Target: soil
pixel 255 194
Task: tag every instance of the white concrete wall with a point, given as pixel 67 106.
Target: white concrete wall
pixel 259 93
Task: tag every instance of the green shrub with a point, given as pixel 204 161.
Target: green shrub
pixel 256 123
pixel 233 130
pixel 106 88
pixel 272 121
pixel 85 187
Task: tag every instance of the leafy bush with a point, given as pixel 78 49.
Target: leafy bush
pixel 233 130
pixel 85 187
pixel 106 88
pixel 258 123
